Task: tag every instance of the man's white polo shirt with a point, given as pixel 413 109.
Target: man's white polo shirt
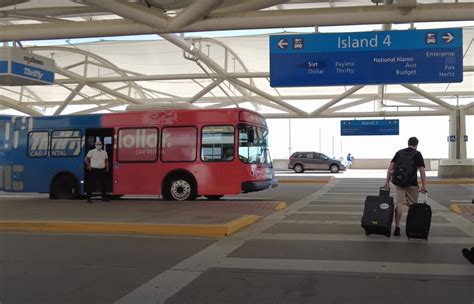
pixel 98 158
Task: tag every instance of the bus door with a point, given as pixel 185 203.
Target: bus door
pixel 106 137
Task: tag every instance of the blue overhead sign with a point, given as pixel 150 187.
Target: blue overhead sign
pixel 31 72
pixel 19 67
pixel 370 127
pixel 381 57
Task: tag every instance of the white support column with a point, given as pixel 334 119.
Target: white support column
pixel 457 128
pixel 462 133
pixel 457 165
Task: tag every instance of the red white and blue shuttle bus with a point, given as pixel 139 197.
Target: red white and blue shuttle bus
pixel 178 153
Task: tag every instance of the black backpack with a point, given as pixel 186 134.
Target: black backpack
pixel 403 170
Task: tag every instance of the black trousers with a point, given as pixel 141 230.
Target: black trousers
pixel 96 181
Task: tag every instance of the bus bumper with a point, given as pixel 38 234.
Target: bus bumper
pixel 252 186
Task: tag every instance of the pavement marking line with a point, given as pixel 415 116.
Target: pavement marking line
pixel 362 238
pixel 348 266
pixel 458 220
pixel 304 181
pixel 461 223
pixel 212 230
pixel 159 289
pixel 162 286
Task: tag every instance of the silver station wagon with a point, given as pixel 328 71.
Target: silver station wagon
pixel 301 161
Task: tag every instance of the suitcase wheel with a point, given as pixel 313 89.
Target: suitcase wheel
pixel 366 233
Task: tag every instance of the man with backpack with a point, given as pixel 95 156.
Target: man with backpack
pixel 403 174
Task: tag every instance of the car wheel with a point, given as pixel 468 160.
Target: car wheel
pixel 298 168
pixel 334 168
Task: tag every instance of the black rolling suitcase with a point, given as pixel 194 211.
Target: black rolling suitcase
pixel 419 219
pixel 378 215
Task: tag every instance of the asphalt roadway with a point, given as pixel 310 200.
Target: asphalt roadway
pixel 313 251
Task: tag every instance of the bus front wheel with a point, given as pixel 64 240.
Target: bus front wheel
pixel 64 186
pixel 180 188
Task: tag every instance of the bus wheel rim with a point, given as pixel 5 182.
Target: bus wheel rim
pixel 180 189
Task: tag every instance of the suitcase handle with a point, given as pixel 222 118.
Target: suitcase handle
pixel 384 191
pixel 423 198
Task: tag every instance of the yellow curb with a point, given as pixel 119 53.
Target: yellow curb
pixel 127 228
pixel 280 206
pixel 455 208
pixel 241 222
pixel 450 181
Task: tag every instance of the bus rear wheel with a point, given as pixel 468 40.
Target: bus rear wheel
pixel 64 186
pixel 180 188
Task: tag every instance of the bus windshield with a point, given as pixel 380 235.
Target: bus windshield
pixel 253 145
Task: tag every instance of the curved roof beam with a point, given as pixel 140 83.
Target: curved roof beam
pixel 13 104
pixel 153 21
pixel 236 56
pixel 105 62
pixel 138 15
pixel 239 60
pixel 98 86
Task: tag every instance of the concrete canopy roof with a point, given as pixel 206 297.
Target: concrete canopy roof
pixel 107 75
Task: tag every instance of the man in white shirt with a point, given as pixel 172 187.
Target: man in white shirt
pixel 97 162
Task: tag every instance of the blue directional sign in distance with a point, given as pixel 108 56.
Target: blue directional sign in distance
pixel 384 57
pixel 370 127
pixel 3 67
